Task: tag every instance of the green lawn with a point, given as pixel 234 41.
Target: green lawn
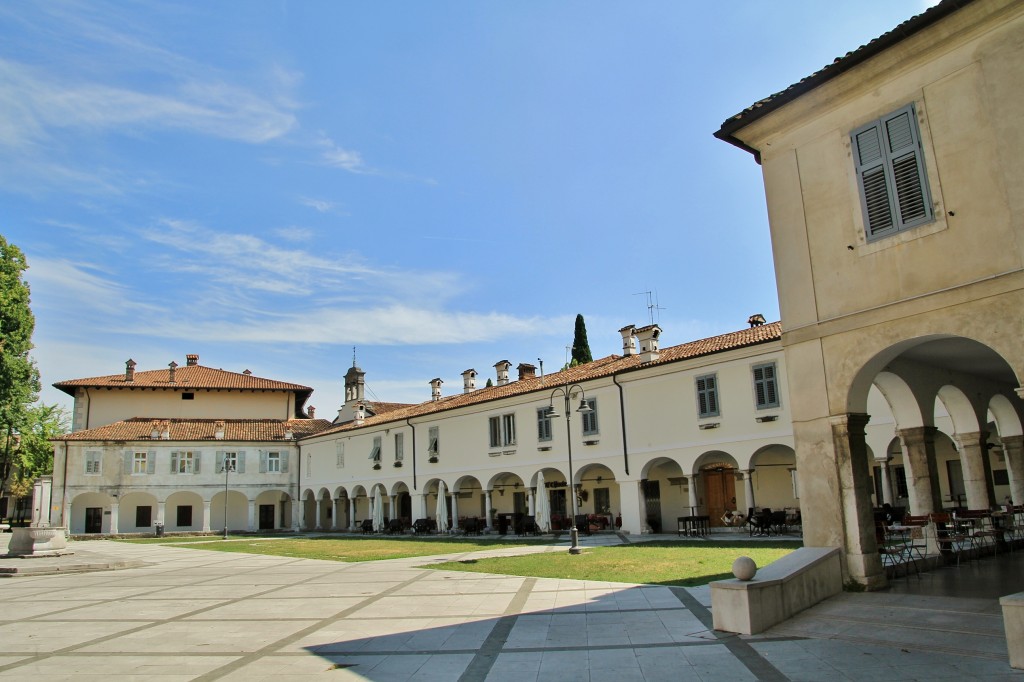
pixel 341 549
pixel 652 563
pixel 684 563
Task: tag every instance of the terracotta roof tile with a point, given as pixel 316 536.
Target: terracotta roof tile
pixel 141 428
pixel 188 377
pixel 602 367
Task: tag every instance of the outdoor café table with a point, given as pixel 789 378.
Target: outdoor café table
pixel 900 546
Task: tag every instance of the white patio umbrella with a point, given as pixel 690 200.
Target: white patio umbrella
pixel 442 509
pixel 542 507
pixel 378 511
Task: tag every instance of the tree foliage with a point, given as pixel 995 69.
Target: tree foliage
pixel 19 377
pixel 580 345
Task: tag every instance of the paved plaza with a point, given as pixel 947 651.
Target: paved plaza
pixel 187 614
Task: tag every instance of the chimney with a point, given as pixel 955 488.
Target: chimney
pixel 191 360
pixel 129 370
pixel 756 320
pixel 155 432
pixel 502 366
pixel 526 371
pixel 247 372
pixel 165 430
pixel 360 414
pixel 435 389
pixel 311 411
pixel 355 383
pixel 648 338
pixel 218 430
pixel 469 381
pixel 170 375
pixel 288 433
pixel 628 340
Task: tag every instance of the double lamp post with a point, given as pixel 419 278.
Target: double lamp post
pixel 567 394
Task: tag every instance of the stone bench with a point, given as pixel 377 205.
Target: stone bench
pixel 1013 623
pixel 782 589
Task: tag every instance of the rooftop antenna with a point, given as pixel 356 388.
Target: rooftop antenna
pixel 353 356
pixel 652 304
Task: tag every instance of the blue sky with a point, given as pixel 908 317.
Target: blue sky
pixel 442 185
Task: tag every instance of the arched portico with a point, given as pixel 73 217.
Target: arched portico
pixel 137 512
pixel 507 495
pixel 272 510
pixel 184 510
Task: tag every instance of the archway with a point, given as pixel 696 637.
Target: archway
pixel 90 513
pixel 183 511
pixel 137 513
pixel 273 510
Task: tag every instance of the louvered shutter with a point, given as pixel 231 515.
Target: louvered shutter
pixel 876 199
pixel 284 462
pixel 759 386
pixel 240 462
pixel 151 462
pixel 220 461
pixel 769 385
pixel 174 461
pixel 712 395
pixel 127 461
pixel 197 460
pixel 907 168
pixel 263 461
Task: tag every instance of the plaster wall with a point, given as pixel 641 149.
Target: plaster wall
pixel 99 407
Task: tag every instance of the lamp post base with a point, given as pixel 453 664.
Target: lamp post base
pixel 574 540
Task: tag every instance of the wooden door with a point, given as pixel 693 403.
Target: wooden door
pixel 94 519
pixel 719 494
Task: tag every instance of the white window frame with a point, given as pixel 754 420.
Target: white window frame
pixel 708 404
pixel 185 462
pixel 399 446
pixel 94 463
pixel 502 430
pixel 274 462
pixel 140 462
pixel 434 442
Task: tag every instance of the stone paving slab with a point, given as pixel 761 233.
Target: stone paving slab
pixel 194 614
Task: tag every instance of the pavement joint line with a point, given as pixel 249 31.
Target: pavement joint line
pixel 36 657
pixel 751 658
pixel 480 666
pixel 249 657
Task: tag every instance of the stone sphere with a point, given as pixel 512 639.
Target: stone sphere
pixel 744 568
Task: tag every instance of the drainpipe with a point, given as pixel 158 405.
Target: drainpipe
pixel 413 427
pixel 622 418
pixel 88 409
pixel 64 521
pixel 302 503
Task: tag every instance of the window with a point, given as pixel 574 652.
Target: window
pixel 765 388
pixel 139 466
pixel 707 396
pixel 375 450
pixel 93 463
pixel 890 174
pixel 274 462
pixel 434 443
pixel 185 462
pixel 188 396
pixel 590 418
pixel 399 447
pixel 340 454
pixel 233 461
pixel 543 424
pixel 183 516
pixel 143 517
pixel 502 430
pixel 602 501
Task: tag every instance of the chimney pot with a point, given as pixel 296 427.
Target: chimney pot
pixel 191 360
pixel 311 411
pixel 527 371
pixel 170 375
pixel 502 366
pixel 756 320
pixel 247 372
pixel 648 338
pixel 435 389
pixel 469 381
pixel 628 339
pixel 218 430
pixel 129 370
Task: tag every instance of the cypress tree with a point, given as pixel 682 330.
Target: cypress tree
pixel 580 345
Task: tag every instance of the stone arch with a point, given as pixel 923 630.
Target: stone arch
pixel 82 520
pixel 137 512
pixel 903 403
pixel 183 511
pixel 1005 416
pixel 962 412
pixel 237 511
pixel 273 510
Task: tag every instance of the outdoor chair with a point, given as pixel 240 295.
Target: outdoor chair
pixel 471 526
pixel 949 538
pixel 582 524
pixel 395 526
pixel 527 526
pixel 777 522
pixel 367 526
pixel 421 526
pixel 761 522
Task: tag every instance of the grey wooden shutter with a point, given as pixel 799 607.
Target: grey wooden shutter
pixel 284 462
pixel 151 462
pixel 197 460
pixel 876 199
pixel 912 203
pixel 712 395
pixel 220 462
pixel 128 455
pixel 263 461
pixel 240 462
pixel 174 461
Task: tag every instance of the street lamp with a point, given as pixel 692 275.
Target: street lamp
pixel 229 466
pixel 552 413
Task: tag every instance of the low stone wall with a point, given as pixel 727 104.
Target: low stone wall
pixel 782 589
pixel 1013 623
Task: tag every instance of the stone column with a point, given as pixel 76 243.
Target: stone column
pixel 487 507
pixel 455 511
pixel 66 520
pixel 886 482
pixel 973 460
pixel 113 517
pixel 161 511
pixel 352 513
pixel 419 507
pixel 252 515
pixel 531 510
pixel 748 489
pixel 392 506
pixel 1013 451
pixel 692 494
pixel 295 515
pixel 922 474
pixel 630 497
pixel 206 516
pixel 855 497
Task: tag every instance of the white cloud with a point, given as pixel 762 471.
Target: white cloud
pixel 319 205
pixel 79 289
pixel 294 233
pixel 338 157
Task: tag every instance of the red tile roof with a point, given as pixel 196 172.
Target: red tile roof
pixel 188 377
pixel 840 65
pixel 141 428
pixel 603 367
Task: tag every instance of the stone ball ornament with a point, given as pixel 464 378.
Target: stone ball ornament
pixel 744 568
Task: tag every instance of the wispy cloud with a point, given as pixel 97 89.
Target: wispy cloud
pixel 293 233
pixel 332 154
pixel 319 205
pixel 81 288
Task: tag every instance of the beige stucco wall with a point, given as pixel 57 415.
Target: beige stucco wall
pixel 97 407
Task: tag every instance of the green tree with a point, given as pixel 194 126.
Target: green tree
pixel 580 345
pixel 34 457
pixel 19 377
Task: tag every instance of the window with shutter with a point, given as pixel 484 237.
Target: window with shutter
pixel 240 462
pixel 340 451
pixel 284 462
pixel 399 447
pixel 93 460
pixel 433 442
pixel 128 459
pixel 375 450
pixel 151 462
pixel 494 430
pixel 175 457
pixel 543 424
pixel 264 468
pixel 766 392
pixel 890 174
pixel 707 395
pixel 590 418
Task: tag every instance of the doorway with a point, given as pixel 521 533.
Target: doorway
pixel 94 519
pixel 652 504
pixel 719 493
pixel 266 517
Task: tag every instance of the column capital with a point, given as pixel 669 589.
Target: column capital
pixel 1012 441
pixel 917 434
pixel 851 422
pixel 971 438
